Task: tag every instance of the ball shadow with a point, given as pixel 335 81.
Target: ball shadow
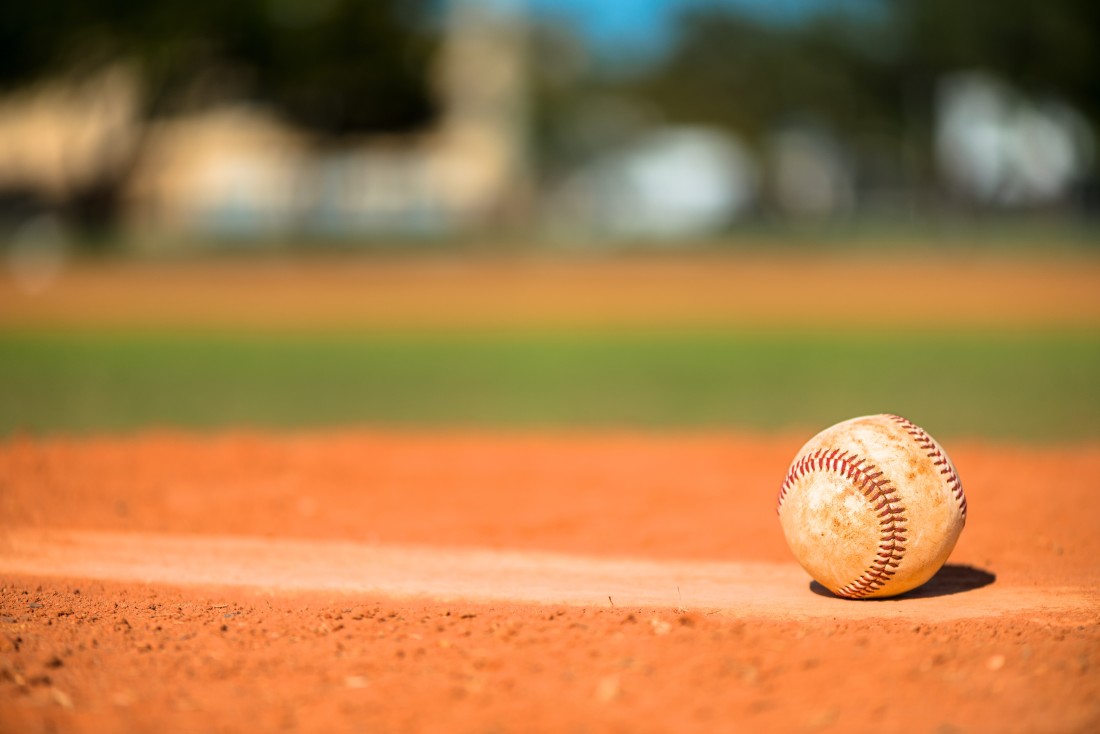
pixel 951 579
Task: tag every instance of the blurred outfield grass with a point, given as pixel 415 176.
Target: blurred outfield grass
pixel 1005 385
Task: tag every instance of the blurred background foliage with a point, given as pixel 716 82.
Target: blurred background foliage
pixel 875 70
pixel 364 65
pixel 851 88
pixel 336 66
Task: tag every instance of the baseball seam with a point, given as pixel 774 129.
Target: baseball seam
pixel 928 445
pixel 884 499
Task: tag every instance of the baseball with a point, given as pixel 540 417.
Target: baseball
pixel 872 507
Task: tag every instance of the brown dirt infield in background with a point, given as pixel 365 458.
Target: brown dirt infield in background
pixel 247 612
pixel 932 290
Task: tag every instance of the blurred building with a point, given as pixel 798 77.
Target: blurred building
pixel 240 172
pixel 65 136
pixel 232 171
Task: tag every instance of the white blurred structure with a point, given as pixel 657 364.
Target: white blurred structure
pixel 996 146
pixel 673 182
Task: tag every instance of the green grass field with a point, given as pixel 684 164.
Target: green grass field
pixel 1032 386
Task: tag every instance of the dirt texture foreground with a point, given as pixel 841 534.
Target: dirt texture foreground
pixel 360 581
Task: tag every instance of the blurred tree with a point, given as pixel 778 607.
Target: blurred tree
pixel 1049 48
pixel 834 73
pixel 335 66
pixel 869 77
pixel 751 75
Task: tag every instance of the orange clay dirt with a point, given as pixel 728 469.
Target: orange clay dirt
pixel 464 582
pixel 409 582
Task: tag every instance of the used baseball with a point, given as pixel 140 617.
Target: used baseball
pixel 872 507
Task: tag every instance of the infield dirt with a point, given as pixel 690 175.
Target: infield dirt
pixel 456 582
pixel 415 581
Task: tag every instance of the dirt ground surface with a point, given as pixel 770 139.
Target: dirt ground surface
pixel 800 289
pixel 479 582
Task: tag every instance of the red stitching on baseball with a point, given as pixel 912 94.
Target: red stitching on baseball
pixel 883 498
pixel 925 442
